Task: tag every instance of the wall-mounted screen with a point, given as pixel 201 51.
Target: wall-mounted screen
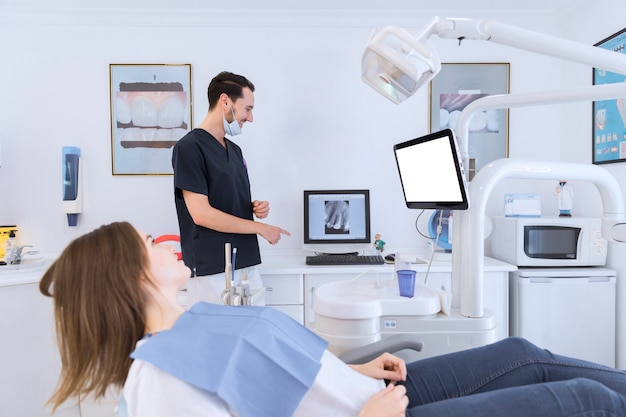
pixel 431 173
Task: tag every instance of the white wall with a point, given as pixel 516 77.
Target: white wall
pixel 316 124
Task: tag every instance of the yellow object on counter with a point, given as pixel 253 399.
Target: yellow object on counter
pixel 4 236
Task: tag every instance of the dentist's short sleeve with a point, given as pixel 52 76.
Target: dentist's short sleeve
pixel 148 391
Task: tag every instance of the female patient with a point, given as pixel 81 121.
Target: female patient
pixel 114 294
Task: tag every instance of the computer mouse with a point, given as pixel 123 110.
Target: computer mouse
pixel 390 258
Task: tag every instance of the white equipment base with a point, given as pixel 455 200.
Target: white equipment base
pixel 351 314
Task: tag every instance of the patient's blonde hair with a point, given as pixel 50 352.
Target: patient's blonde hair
pixel 99 308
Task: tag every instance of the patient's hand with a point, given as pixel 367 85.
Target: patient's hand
pixel 386 366
pixel 390 402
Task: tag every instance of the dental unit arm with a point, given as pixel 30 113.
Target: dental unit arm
pixel 613 228
pixel 397 63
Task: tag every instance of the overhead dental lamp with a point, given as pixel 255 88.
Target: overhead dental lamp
pixel 397 63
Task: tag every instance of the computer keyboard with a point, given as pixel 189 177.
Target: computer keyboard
pixel 345 260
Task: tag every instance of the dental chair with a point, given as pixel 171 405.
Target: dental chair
pixel 395 344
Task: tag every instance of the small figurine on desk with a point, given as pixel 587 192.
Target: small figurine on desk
pixel 378 243
pixel 565 196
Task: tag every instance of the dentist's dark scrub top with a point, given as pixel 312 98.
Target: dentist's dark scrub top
pixel 202 165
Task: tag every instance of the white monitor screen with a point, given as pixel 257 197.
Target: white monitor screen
pixel 431 172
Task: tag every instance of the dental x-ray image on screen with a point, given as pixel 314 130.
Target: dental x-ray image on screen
pixel 337 217
pixel 431 173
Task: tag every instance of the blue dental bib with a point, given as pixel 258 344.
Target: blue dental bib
pixel 257 359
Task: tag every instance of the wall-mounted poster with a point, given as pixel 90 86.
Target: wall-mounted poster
pixel 150 112
pixel 609 116
pixel 456 86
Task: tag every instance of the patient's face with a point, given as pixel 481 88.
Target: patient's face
pixel 165 268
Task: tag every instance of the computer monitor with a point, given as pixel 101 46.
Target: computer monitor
pixel 336 221
pixel 431 172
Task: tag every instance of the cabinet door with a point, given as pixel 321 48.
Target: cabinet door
pixel 285 293
pixel 296 312
pixel 570 316
pixel 283 289
pixel 29 359
pixel 102 407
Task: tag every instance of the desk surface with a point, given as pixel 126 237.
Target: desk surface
pixel 295 263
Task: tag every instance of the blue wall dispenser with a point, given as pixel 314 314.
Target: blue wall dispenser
pixel 72 184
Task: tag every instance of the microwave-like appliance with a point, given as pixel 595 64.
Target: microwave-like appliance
pixel 548 241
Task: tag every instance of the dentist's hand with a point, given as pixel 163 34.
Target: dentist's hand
pixel 272 233
pixel 261 209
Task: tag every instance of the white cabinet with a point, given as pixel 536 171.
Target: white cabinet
pixel 570 311
pixel 103 407
pixel 29 359
pixel 285 292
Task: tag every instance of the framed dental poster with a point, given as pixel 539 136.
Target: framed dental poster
pixel 609 116
pixel 456 86
pixel 150 112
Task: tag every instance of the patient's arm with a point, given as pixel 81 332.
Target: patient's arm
pixel 386 366
pixel 390 402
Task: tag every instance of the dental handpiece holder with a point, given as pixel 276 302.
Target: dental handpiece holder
pixel 238 294
pixel 72 184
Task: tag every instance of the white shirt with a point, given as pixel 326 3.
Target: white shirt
pixel 338 390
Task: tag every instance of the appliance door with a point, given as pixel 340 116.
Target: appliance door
pixel 570 311
pixel 551 242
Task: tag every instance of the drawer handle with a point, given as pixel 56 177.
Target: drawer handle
pixel 269 289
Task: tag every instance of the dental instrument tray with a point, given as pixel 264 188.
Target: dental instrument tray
pixel 344 259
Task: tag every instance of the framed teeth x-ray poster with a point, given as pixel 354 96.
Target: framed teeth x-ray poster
pixel 456 86
pixel 150 112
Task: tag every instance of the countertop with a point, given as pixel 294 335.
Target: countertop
pixel 29 271
pixel 275 263
pixel 295 263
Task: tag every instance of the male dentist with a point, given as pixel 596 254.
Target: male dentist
pixel 212 194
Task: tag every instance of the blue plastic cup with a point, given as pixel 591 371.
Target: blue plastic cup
pixel 406 282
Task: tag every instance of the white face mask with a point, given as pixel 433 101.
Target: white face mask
pixel 232 128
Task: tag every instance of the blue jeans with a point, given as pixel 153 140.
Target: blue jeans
pixel 513 378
